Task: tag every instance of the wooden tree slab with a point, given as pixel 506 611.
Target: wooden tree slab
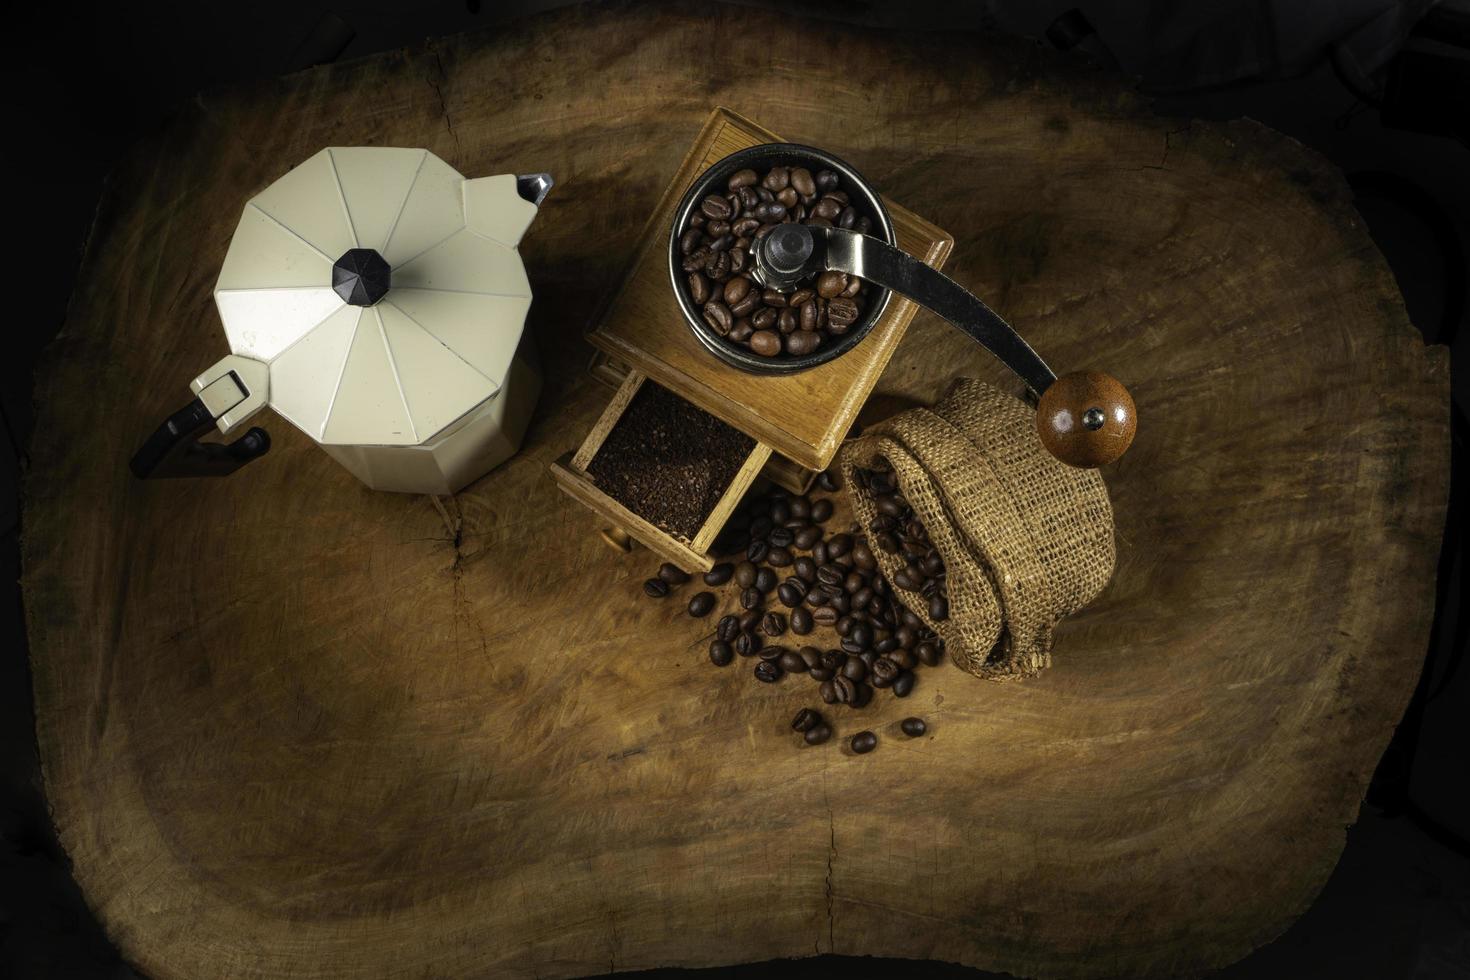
pixel 294 728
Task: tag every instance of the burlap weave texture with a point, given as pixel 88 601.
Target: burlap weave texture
pixel 1026 540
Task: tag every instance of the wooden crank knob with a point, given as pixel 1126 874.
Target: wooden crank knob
pixel 1086 419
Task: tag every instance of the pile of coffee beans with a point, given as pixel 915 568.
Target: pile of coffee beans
pixel 897 531
pixel 718 257
pixel 789 578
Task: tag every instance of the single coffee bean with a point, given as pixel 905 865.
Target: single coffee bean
pixel 886 646
pixel 838 545
pixel 830 574
pixel 821 509
pixel 845 688
pixel 801 621
pixel 885 672
pixel 766 343
pixel 808 315
pixel 826 210
pixel 768 671
pixel 864 742
pixel 818 733
pixel 719 574
pixel 792 663
pixel 928 654
pixel 721 653
pixel 824 616
pixel 701 605
pixel 655 588
pixel 826 180
pixel 808 536
pixel 816 597
pixel 790 198
pixel 801 180
pixel 903 684
pixel 728 628
pixel 828 691
pixel 854 669
pixel 806 719
pixel 750 620
pixel 801 297
pixel 900 656
pixel 736 290
pixel 751 598
pixel 764 319
pixel 841 313
pixel 848 217
pixel 690 240
pixel 716 208
pixel 672 574
pixel 861 695
pixel 742 178
pixel 777 179
pixel 819 553
pixel 781 537
pixel 790 595
pixel 773 624
pixel 805 568
pixel 756 550
pixel 745 573
pixel 747 644
pixel 779 557
pixel 913 727
pixel 800 343
pixel 740 330
pixel 788 320
pixel 718 316
pixel 765 580
pixel 939 608
pixel 887 543
pixel 830 283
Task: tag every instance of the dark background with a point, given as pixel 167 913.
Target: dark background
pixel 84 82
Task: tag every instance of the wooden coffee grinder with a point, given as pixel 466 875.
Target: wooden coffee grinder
pixel 798 415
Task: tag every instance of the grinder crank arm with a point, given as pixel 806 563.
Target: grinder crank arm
pixel 1085 419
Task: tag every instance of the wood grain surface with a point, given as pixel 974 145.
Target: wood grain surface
pixel 292 728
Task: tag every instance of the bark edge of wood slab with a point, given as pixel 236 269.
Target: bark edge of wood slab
pixel 1086 419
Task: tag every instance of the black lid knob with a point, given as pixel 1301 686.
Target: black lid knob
pixel 361 276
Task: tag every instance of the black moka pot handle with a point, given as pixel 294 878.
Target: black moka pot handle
pixel 1085 419
pixel 174 449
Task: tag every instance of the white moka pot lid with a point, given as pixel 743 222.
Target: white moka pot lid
pixel 435 345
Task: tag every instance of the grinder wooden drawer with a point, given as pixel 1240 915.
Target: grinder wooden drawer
pixel 690 553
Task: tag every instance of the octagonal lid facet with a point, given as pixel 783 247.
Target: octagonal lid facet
pixel 383 289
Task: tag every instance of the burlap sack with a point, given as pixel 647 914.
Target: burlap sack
pixel 1025 539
